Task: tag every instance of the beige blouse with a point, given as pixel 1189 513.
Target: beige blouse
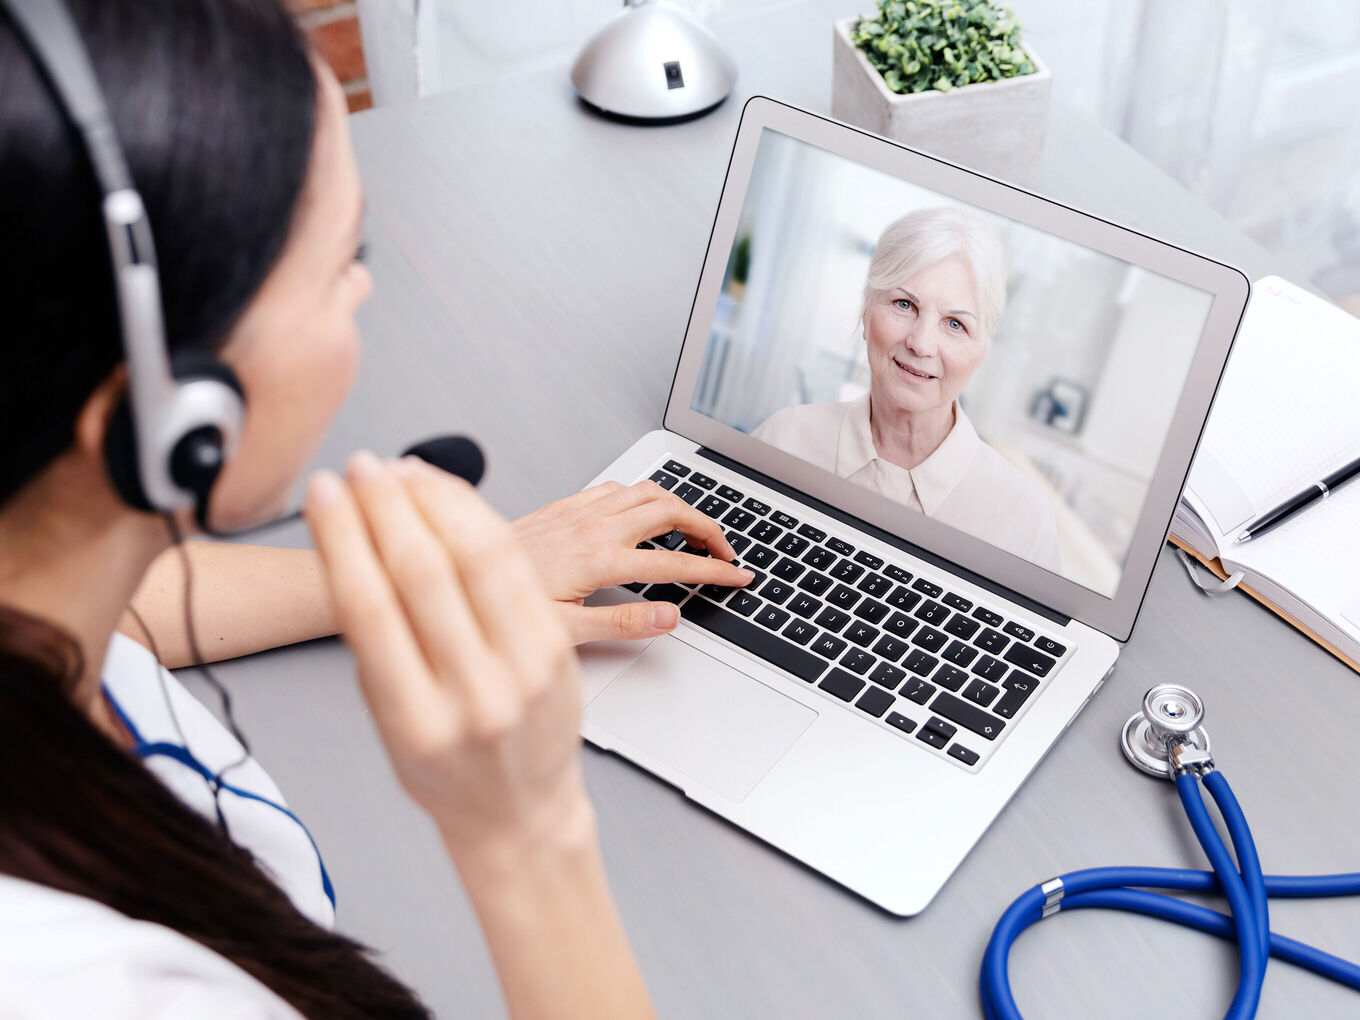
pixel 964 483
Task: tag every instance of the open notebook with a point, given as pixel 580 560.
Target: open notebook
pixel 1286 414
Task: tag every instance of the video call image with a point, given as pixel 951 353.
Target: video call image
pixel 1000 380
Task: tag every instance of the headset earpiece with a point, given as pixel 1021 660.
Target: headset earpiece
pixel 206 410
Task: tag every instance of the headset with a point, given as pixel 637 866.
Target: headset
pixel 180 418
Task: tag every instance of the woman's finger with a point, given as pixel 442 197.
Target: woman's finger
pixel 627 621
pixel 658 566
pixel 501 585
pixel 577 500
pixel 413 556
pixel 392 669
pixel 659 516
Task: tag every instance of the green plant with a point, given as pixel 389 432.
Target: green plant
pixel 919 45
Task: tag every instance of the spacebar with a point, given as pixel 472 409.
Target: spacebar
pixel 754 639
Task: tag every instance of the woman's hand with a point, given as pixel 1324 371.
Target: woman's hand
pixel 589 541
pixel 464 661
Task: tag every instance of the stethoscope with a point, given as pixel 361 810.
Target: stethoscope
pixel 1167 739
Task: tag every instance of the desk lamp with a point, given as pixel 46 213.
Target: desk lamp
pixel 653 62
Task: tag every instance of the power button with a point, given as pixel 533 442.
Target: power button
pixel 674 79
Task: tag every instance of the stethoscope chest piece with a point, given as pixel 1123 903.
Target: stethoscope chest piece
pixel 1171 713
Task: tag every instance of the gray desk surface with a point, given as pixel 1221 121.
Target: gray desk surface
pixel 534 270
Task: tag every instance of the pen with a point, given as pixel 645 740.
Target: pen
pixel 1291 506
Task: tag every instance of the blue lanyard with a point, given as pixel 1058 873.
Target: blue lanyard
pixel 184 756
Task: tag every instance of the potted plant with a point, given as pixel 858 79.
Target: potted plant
pixel 949 77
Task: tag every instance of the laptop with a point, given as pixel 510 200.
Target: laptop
pixel 929 614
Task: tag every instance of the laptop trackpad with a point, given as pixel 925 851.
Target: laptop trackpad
pixel 701 716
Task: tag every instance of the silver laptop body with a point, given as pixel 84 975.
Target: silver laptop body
pixel 821 738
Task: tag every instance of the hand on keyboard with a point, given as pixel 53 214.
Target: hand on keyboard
pixel 589 541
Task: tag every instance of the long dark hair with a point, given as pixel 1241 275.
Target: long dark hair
pixel 214 103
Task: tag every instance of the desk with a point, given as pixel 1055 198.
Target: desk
pixel 534 268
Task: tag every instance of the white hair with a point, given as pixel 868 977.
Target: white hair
pixel 923 237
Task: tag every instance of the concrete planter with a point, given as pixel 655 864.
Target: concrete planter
pixel 996 127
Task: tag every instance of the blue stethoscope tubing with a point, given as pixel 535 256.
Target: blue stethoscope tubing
pixel 1248 892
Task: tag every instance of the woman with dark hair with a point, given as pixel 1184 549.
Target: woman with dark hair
pixel 148 867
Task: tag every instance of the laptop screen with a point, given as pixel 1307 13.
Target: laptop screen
pixel 1004 381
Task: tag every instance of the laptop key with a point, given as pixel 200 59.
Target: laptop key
pixel 665 479
pixel 784 520
pixel 840 546
pixel 788 569
pixel 990 668
pixel 738 519
pixel 815 583
pixel 666 593
pixel 981 693
pixel 713 506
pixel 1050 646
pixel 828 645
pixel 930 639
pixel 1021 681
pixel 857 660
pixel 887 675
pixel 900 721
pixel 988 617
pixel 962 754
pixel 689 493
pixel 803 605
pixel 842 597
pixel 927 588
pixel 832 619
pixel 771 617
pixel 670 540
pixel 1018 632
pixel 743 602
pixel 876 585
pixel 960 654
pixel 703 481
pixel 756 640
pixel 868 559
pixel 791 544
pixel 931 612
pixel 962 626
pixel 800 632
pixel 984 724
pixel 739 543
pixel 900 625
pixel 890 648
pixel 991 640
pixel 861 634
pixel 756 506
pixel 951 678
pixel 841 684
pixel 777 591
pixel 871 610
pixel 819 557
pixel 936 733
pixel 636 586
pixel 903 599
pixel 1010 703
pixel 766 532
pixel 917 690
pixel 920 663
pixel 675 468
pixel 729 493
pixel 762 556
pixel 875 702
pixel 847 571
pixel 897 573
pixel 811 533
pixel 957 602
pixel 716 592
pixel 1028 658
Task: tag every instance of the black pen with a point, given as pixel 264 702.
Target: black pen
pixel 1287 509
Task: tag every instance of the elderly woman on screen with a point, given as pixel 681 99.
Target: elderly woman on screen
pixel 934 294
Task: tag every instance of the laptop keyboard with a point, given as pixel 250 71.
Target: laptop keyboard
pixel 940 669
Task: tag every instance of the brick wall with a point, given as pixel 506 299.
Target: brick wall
pixel 333 27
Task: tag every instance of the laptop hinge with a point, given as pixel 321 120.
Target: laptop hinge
pixel 888 537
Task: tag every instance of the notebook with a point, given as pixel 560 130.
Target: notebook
pixel 1285 415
